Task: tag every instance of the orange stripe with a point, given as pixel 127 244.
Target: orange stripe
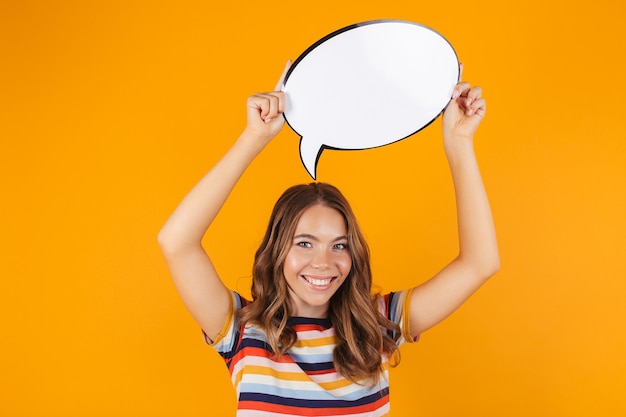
pixel 290 376
pixel 227 324
pixel 320 341
pixel 406 317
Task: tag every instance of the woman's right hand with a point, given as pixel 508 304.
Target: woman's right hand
pixel 265 112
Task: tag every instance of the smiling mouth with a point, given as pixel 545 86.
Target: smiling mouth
pixel 317 282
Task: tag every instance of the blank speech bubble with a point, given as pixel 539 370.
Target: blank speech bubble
pixel 368 85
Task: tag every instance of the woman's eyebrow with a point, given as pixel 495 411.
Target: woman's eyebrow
pixel 305 236
pixel 312 237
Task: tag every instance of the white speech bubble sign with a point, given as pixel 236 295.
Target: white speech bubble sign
pixel 368 85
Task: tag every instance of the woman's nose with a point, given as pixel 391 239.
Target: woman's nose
pixel 320 259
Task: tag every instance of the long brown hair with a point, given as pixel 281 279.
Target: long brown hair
pixel 353 309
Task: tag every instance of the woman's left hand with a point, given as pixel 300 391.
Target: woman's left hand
pixel 464 112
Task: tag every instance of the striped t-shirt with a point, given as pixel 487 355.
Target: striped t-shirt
pixel 303 381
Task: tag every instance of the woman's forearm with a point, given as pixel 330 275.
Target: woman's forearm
pixel 477 237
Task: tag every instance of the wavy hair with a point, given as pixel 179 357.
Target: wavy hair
pixel 363 333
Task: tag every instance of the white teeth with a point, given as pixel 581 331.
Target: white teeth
pixel 319 282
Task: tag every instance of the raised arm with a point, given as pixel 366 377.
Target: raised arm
pixel 195 277
pixel 478 257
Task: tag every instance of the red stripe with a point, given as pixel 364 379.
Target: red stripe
pixel 259 352
pixel 308 327
pixel 322 371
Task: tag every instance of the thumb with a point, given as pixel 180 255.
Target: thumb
pixel 281 80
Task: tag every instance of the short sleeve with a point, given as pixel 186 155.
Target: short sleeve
pixel 396 307
pixel 226 339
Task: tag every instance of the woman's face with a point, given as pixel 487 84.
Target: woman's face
pixel 318 260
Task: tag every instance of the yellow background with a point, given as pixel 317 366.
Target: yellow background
pixel 111 111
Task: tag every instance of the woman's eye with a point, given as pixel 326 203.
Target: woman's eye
pixel 304 244
pixel 341 246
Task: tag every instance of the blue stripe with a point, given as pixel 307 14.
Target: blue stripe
pixel 392 310
pixel 312 357
pixel 272 390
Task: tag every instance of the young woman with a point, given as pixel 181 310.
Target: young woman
pixel 314 340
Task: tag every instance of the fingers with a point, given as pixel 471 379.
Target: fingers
pixel 266 107
pixel 269 106
pixel 461 89
pixel 474 101
pixel 469 98
pixel 478 107
pixel 281 80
